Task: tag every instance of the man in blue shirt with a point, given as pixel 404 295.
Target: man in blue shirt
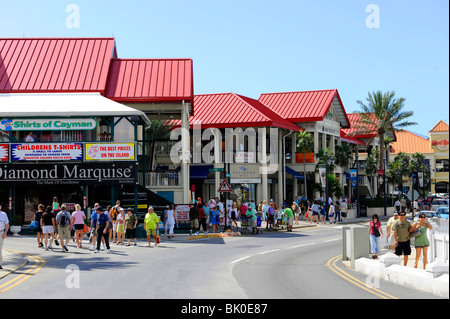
pixel 102 229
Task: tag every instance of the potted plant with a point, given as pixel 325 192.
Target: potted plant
pixel 16 225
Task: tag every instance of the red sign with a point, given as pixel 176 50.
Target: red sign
pixel 224 186
pixel 4 152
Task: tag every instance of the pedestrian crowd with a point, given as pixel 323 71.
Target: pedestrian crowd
pixel 54 224
pixel 400 232
pixel 212 214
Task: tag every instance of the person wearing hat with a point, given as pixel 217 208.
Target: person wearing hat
pixel 102 229
pixel 389 235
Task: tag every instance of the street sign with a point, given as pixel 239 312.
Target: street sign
pixel 216 169
pixel 224 186
pixel 412 195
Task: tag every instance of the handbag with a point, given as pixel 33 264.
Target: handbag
pixel 416 232
pixel 34 225
pixel 376 232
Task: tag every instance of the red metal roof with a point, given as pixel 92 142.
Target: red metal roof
pixel 350 139
pixel 304 106
pixel 55 64
pixel 355 127
pixel 227 110
pixel 151 80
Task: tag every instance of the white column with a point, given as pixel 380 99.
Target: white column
pixel 263 153
pixel 280 198
pixel 185 148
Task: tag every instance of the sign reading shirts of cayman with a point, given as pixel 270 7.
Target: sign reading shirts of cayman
pixel 47 152
pixel 68 174
pixel 109 151
pixel 66 124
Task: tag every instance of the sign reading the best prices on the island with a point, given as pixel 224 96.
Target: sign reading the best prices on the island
pixel 109 151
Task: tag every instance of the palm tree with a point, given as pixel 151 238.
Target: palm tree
pixel 382 114
pixel 159 131
pixel 370 165
pixel 305 144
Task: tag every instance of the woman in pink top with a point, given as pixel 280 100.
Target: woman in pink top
pixel 77 221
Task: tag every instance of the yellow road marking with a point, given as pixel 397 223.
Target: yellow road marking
pixel 332 265
pixel 39 263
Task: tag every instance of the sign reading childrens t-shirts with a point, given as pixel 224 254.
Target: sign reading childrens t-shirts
pixel 46 151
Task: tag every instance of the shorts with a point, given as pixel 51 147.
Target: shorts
pixel 403 248
pixel 315 213
pixel 120 229
pixel 391 240
pixel 47 229
pixel 79 226
pixel 151 232
pixel 64 232
pixel 290 221
pixel 194 223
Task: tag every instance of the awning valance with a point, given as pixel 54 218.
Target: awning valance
pixel 16 105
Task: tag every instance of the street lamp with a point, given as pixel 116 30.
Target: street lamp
pixel 326 185
pixel 327 204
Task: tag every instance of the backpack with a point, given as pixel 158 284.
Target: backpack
pixel 63 219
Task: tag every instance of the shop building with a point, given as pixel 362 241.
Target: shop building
pixel 320 112
pixel 439 140
pixel 74 120
pixel 237 136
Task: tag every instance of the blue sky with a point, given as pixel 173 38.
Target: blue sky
pixel 260 46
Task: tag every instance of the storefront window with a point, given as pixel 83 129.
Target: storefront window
pixel 442 165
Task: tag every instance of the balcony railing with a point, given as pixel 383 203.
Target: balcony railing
pixel 153 179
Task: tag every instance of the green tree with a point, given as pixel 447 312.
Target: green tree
pixel 159 131
pixel 370 165
pixel 382 114
pixel 343 154
pixel 305 144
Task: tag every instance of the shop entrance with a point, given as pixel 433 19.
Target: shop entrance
pixel 27 198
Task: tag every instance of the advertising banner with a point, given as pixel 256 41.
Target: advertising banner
pixel 182 213
pixel 120 173
pixel 109 151
pixel 323 176
pixel 66 124
pixel 47 152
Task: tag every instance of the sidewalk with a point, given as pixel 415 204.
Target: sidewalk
pixel 399 274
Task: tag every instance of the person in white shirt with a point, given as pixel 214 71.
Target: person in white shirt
pixel 4 227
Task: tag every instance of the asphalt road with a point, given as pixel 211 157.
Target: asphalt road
pixel 302 264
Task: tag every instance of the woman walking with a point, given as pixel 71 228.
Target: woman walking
pixel 421 242
pixel 375 234
pixel 171 220
pixel 77 221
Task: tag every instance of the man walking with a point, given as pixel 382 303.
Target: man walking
pixel 151 222
pixel 102 229
pixel 4 227
pixel 194 215
pixel 400 230
pixel 63 224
